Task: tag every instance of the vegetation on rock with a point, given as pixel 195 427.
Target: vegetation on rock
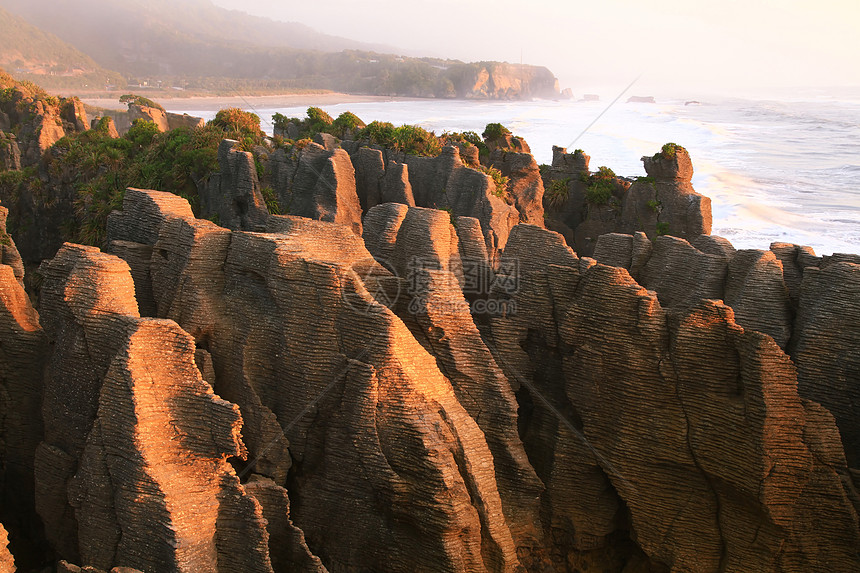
pixel 668 150
pixel 346 122
pixel 600 186
pixel 99 168
pixel 558 192
pixel 500 182
pixel 134 99
pixel 495 131
pixel 236 120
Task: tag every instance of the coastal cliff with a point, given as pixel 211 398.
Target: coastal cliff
pixel 343 356
pixel 573 431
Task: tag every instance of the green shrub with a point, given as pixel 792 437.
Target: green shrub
pixel 271 200
pixel 103 167
pixel 604 172
pixel 500 182
pixel 668 150
pixel 236 120
pixel 495 131
pixel 654 205
pixel 662 228
pixel 599 192
pixel 142 132
pixel 347 121
pixel 316 114
pixel 466 139
pixel 301 144
pixel 318 121
pixel 379 132
pixel 600 186
pixel 103 125
pixel 558 192
pixel 139 100
pixel 280 121
pixel 415 140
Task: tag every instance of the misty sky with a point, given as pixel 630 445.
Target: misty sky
pixel 689 45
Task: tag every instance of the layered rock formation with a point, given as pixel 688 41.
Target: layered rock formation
pixel 234 195
pixel 586 205
pixel 358 359
pixel 148 113
pixel 10 153
pixel 7 562
pixel 40 120
pixel 525 186
pixel 710 409
pixel 367 384
pixel 177 120
pixel 23 347
pixel 444 182
pixel 824 345
pixel 133 435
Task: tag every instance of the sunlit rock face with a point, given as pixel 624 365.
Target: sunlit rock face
pixel 320 397
pixel 361 387
pixel 668 413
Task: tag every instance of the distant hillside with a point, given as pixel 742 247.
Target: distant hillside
pixel 195 45
pixel 141 37
pixel 33 54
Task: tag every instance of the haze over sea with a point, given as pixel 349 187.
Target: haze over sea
pixel 783 169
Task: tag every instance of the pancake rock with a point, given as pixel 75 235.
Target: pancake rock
pixel 9 255
pixel 525 185
pixel 7 562
pixel 323 187
pixel 234 194
pixel 10 153
pixel 294 318
pixel 133 434
pixel 22 361
pixel 826 346
pixel 444 182
pixel 584 205
pixel 670 198
pixel 147 113
pixel 426 257
pixel 689 434
pixel 369 172
pixel 177 120
pixel 395 185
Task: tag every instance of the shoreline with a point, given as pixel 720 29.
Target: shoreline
pixel 216 103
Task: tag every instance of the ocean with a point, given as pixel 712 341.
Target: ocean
pixel 775 170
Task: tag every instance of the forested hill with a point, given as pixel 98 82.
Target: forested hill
pixel 36 55
pixel 196 45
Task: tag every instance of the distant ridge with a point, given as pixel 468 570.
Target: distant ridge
pixel 142 29
pixel 198 46
pixel 33 54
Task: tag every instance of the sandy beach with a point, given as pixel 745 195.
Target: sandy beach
pixel 215 103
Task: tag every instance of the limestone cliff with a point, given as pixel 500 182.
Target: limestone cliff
pixel 403 374
pixel 584 205
pixel 363 389
pixel 741 457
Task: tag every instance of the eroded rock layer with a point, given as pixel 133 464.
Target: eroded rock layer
pixel 134 437
pixel 689 434
pixel 346 383
pixel 401 393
